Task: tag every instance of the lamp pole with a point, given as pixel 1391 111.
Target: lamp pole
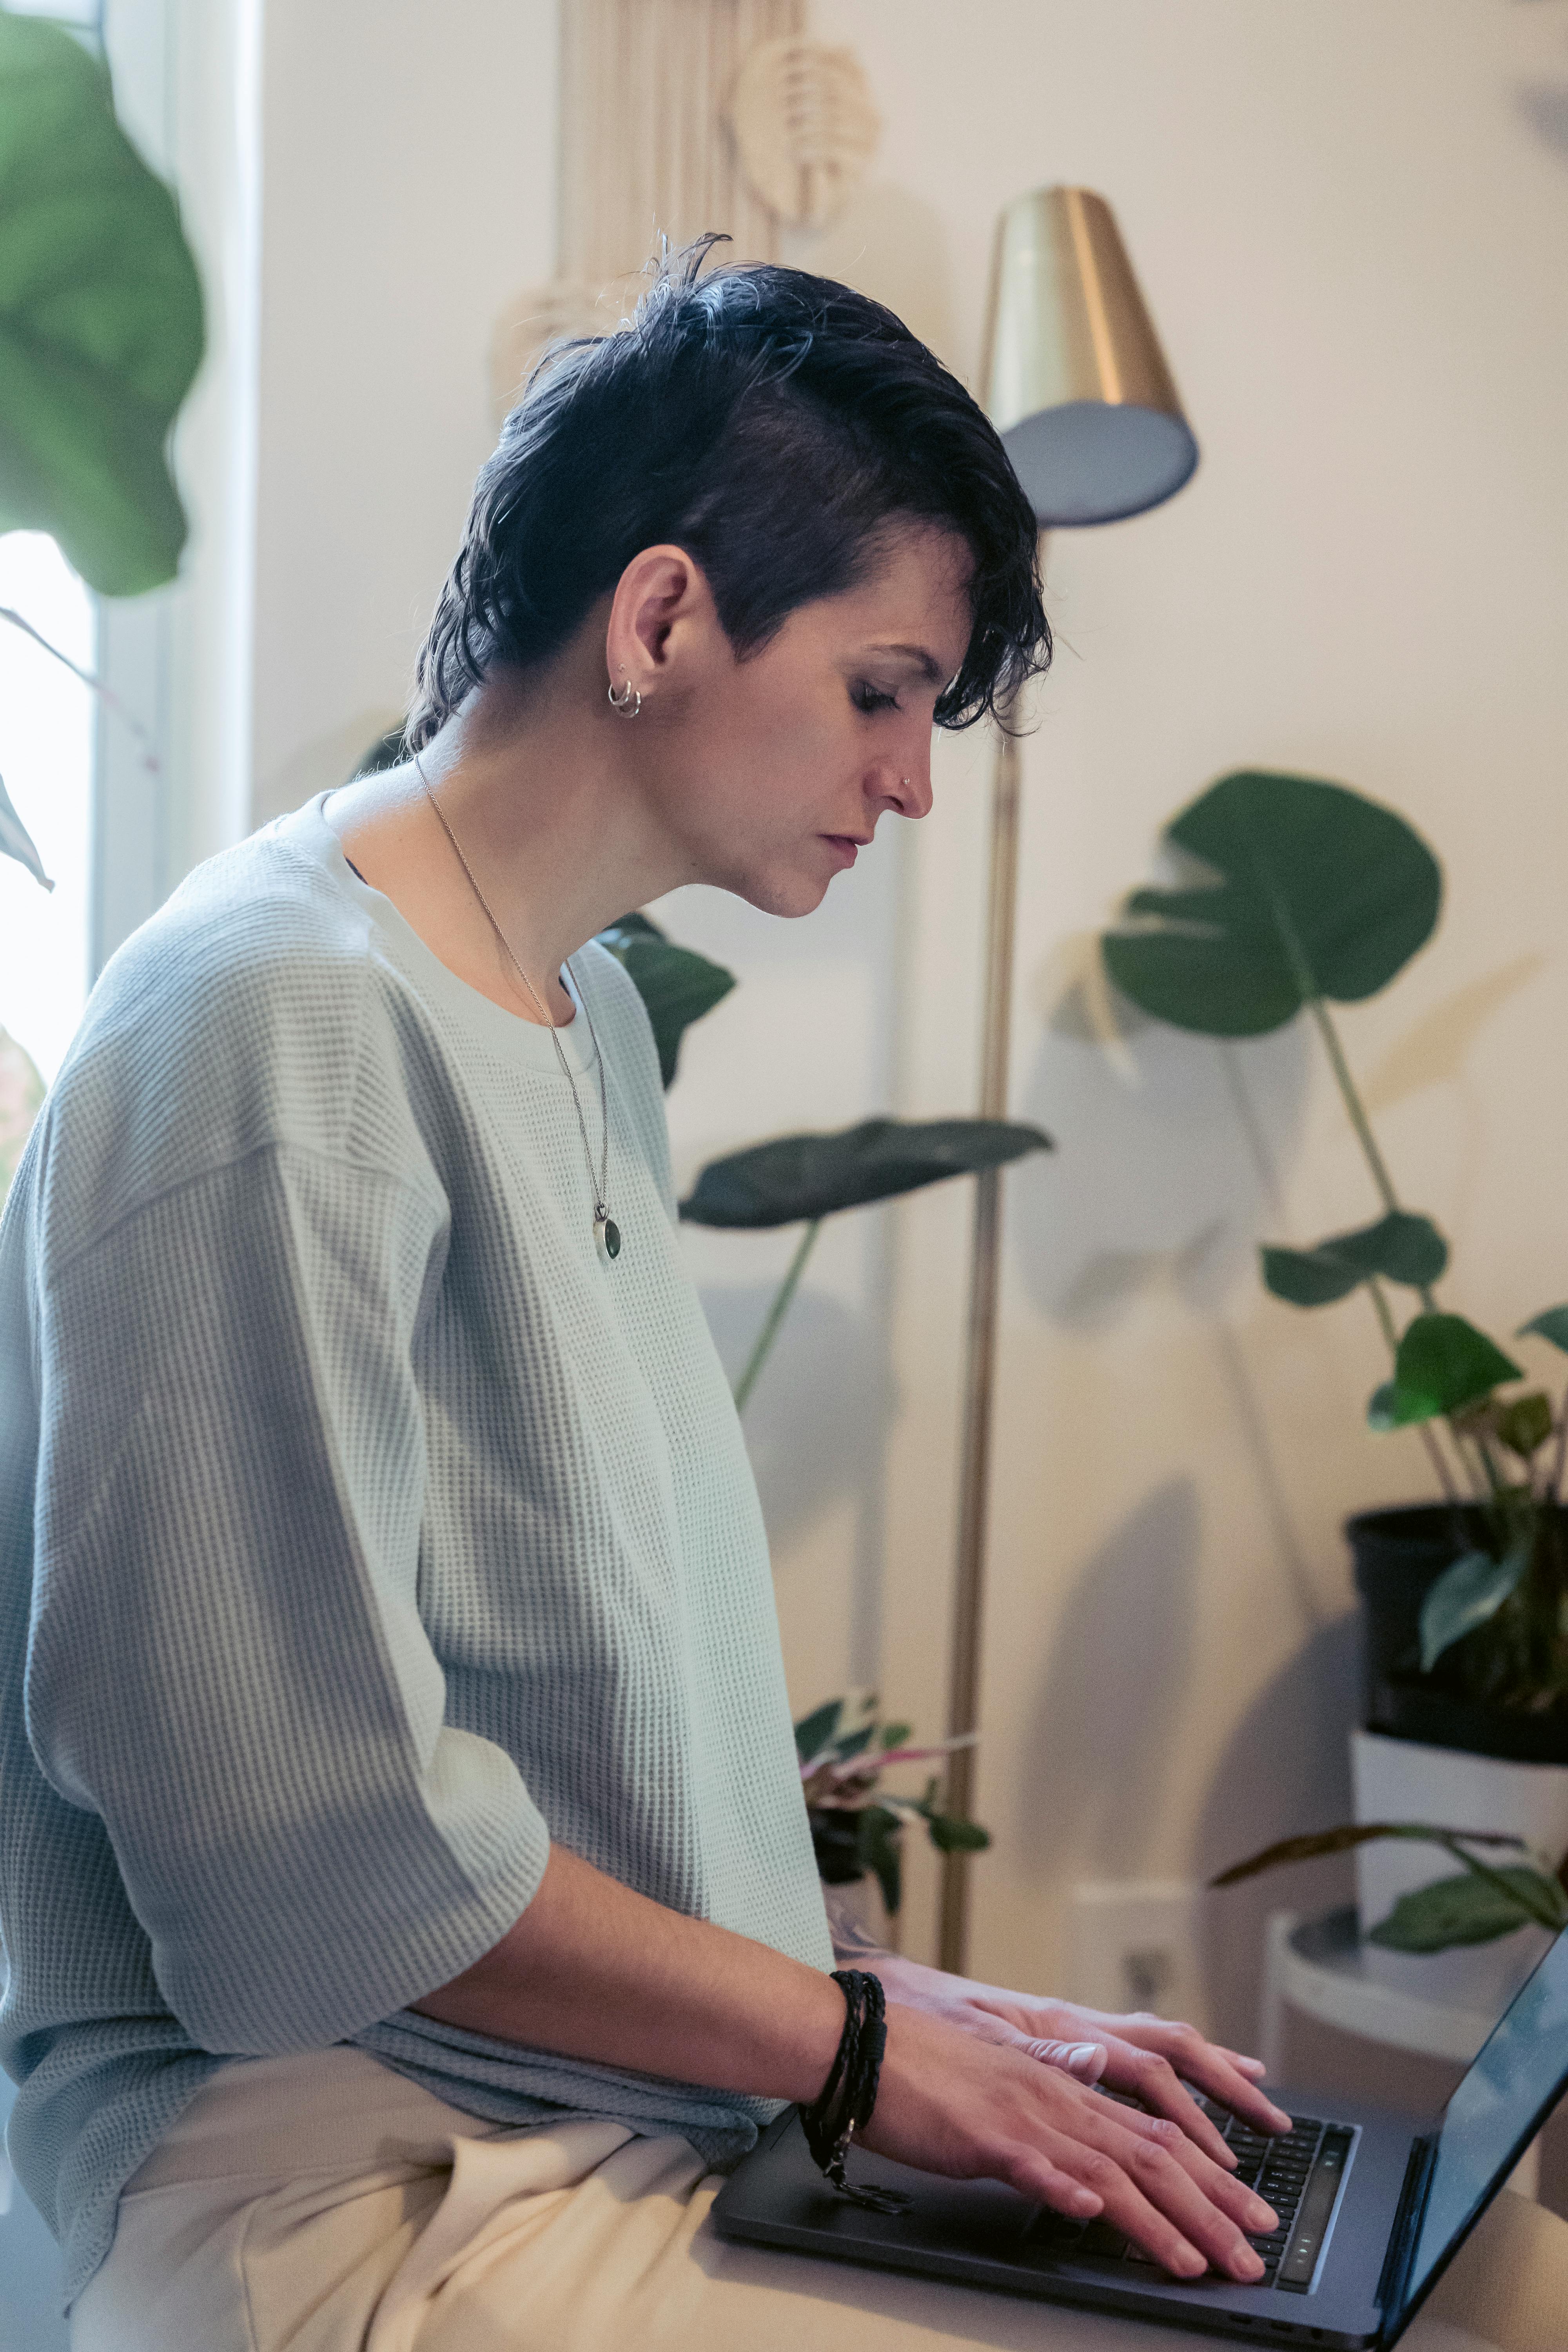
pixel 1077 386
pixel 980 1356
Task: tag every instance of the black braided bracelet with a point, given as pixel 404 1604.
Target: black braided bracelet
pixel 849 2094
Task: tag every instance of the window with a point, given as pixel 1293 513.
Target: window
pixel 47 727
pixel 46 734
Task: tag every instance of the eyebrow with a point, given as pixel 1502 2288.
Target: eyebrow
pixel 927 663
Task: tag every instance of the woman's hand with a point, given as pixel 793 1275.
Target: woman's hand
pixel 1148 2058
pixel 959 2099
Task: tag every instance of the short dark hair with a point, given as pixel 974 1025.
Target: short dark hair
pixel 773 423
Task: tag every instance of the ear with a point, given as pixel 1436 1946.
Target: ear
pixel 661 598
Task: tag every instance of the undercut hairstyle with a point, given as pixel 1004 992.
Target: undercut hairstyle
pixel 776 426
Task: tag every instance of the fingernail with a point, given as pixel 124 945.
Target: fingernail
pixel 1248 2264
pixel 1282 2120
pixel 1086 2060
pixel 1086 2203
pixel 1264 2216
pixel 1252 2065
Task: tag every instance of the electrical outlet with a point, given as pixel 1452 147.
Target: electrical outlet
pixel 1135 1945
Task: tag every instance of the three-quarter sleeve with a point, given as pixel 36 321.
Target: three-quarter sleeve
pixel 226 1661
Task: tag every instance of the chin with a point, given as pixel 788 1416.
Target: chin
pixel 784 894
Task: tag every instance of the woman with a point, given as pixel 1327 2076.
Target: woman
pixel 407 1889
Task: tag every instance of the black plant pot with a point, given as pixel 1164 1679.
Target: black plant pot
pixel 835 1836
pixel 1398 1554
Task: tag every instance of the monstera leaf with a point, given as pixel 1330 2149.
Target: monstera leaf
pixel 677 985
pixel 811 1176
pixel 1400 1247
pixel 101 319
pixel 1552 1326
pixel 1318 893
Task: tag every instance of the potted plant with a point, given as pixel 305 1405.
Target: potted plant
pixel 857 1827
pixel 1310 895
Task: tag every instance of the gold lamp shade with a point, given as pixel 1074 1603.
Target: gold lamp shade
pixel 1075 379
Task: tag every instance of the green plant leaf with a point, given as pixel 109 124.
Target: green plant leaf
pixel 849 1744
pixel 676 984
pixel 950 1833
pixel 1400 1247
pixel 894 1735
pixel 1315 1843
pixel 814 1731
pixel 1442 1363
pixel 797 1176
pixel 1552 1324
pixel 1472 1590
pixel 1321 892
pixel 101 319
pixel 878 1849
pixel 17 842
pixel 1466 1910
pixel 1525 1425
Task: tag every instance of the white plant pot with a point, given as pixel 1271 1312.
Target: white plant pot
pixel 1404 1780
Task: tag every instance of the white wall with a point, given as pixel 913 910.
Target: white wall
pixel 409 178
pixel 1351 219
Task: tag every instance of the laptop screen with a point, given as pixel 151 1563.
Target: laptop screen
pixel 1511 2087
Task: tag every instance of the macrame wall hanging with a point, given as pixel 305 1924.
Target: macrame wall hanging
pixel 679 116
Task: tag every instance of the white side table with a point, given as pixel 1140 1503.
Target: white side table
pixel 1320 1966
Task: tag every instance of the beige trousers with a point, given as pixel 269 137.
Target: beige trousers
pixel 323 2204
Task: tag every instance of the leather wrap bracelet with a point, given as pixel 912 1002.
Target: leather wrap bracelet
pixel 849 2094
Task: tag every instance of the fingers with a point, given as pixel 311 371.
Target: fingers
pixel 1183 2210
pixel 1153 2058
pixel 1085 2060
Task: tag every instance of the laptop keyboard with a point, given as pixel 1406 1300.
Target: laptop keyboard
pixel 1298 2174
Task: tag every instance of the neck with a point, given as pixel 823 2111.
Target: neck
pixel 535 780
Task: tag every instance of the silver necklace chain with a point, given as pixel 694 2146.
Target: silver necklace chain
pixel 606 1230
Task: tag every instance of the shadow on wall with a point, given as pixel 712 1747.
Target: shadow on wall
pixel 1286 1768
pixel 1544 105
pixel 1097 1759
pixel 819 1411
pixel 1169 1150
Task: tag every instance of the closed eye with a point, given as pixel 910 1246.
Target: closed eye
pixel 869 697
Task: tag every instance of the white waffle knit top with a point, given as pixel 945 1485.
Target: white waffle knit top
pixel 361 1530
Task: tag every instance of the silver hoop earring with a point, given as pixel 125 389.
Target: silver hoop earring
pixel 628 702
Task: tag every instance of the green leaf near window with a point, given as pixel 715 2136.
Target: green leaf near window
pixel 1469 1591
pixel 1552 1324
pixel 1401 1247
pixel 101 319
pixel 1443 1362
pixel 1320 892
pixel 808 1176
pixel 676 984
pixel 17 842
pixel 1471 1910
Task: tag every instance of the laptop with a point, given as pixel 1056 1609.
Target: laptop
pixel 1372 2206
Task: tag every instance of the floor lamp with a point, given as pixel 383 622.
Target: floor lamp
pixel 1077 386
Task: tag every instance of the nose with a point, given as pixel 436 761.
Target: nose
pixel 909 790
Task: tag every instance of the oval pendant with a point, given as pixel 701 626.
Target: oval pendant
pixel 607 1234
